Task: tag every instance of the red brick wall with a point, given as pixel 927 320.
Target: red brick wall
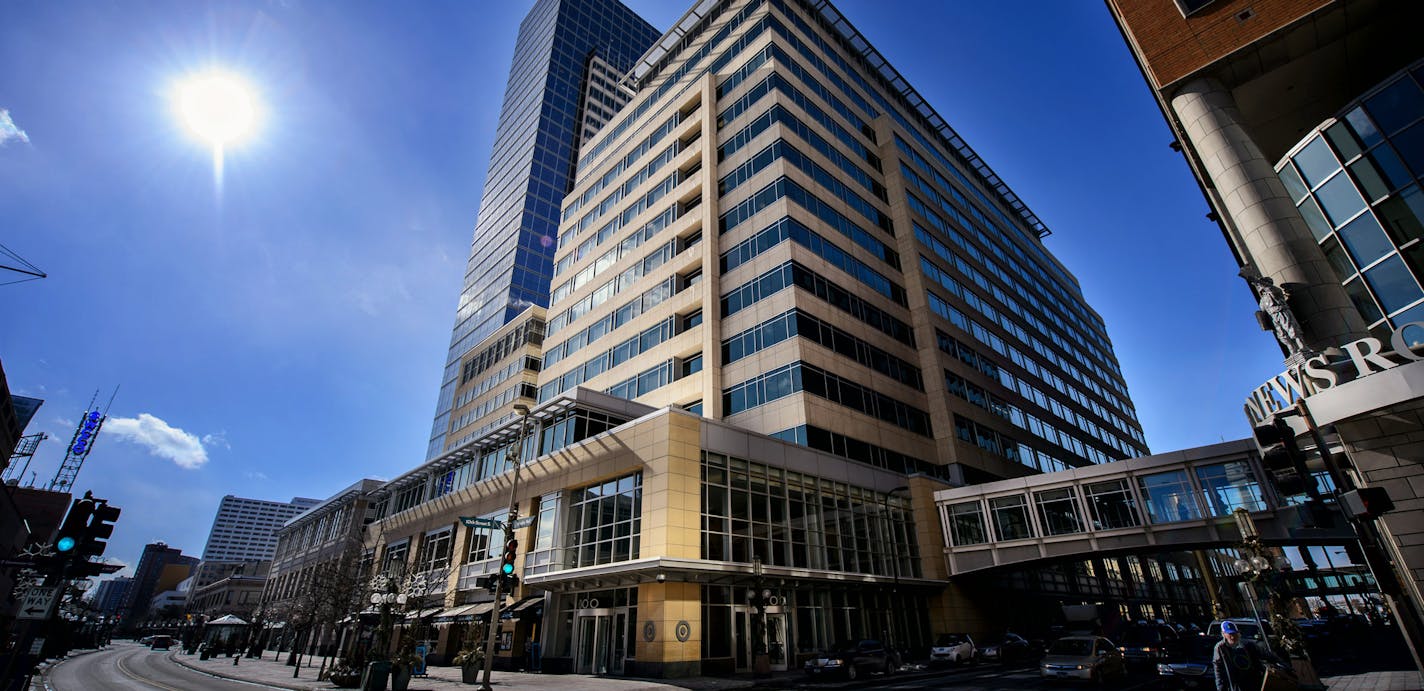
pixel 1174 47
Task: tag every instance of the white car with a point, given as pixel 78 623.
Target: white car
pixel 952 649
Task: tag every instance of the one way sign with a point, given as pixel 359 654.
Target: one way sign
pixel 36 603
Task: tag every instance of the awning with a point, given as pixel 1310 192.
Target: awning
pixel 527 603
pixel 453 613
pixel 227 620
pixel 422 613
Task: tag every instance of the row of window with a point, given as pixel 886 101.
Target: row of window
pixel 612 173
pixel 796 322
pixel 942 308
pixel 509 395
pixel 780 115
pixel 780 149
pixel 775 83
pixel 1079 351
pixel 617 222
pixel 794 274
pixel 787 228
pixel 1020 418
pixel 530 332
pixel 622 282
pixel 528 363
pixel 854 449
pixel 1003 445
pixel 1160 498
pixel 799 376
pixel 1032 274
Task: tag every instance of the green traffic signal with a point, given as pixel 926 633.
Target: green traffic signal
pixel 64 544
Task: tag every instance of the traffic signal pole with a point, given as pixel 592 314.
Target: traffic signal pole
pixel 515 456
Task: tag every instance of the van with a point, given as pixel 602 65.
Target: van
pixel 161 643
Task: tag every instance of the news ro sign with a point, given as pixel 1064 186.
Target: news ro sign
pixel 1366 356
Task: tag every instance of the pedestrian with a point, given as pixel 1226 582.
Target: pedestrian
pixel 1239 665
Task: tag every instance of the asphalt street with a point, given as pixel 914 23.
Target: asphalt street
pixel 130 667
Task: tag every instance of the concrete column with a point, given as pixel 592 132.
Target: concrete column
pixel 1268 227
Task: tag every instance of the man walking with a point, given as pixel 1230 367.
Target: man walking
pixel 1239 665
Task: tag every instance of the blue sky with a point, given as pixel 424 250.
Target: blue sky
pixel 284 336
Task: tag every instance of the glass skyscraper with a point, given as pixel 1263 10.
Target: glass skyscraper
pixel 560 90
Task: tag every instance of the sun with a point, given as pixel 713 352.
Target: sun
pixel 218 107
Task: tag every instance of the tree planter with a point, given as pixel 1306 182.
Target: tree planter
pixel 400 677
pixel 375 677
pixel 470 674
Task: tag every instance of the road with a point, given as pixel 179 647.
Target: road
pixel 975 678
pixel 130 667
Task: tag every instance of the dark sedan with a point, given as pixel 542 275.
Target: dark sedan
pixel 852 659
pixel 1188 665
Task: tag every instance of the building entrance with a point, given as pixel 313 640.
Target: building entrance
pixel 776 638
pixel 601 639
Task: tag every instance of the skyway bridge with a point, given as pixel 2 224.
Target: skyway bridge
pixel 1169 502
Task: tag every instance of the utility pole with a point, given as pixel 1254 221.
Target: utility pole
pixel 515 455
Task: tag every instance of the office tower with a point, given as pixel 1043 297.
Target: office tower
pixel 246 529
pixel 152 575
pixel 110 594
pixel 1302 122
pixel 789 303
pixel 561 88
pixel 778 231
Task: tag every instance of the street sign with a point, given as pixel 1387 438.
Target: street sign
pixel 36 603
pixel 37 647
pixel 476 522
pixel 523 523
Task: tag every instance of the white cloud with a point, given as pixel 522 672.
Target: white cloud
pixel 255 475
pixel 219 439
pixel 9 131
pixel 161 439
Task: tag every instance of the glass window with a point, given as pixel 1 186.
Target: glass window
pixel 1365 240
pixel 1112 505
pixel 966 524
pixel 1338 259
pixel 1396 105
pixel 1410 144
pixel 1169 497
pixel 1403 215
pixel 1360 124
pixel 1058 511
pixel 1316 162
pixel 1344 140
pixel 1011 517
pixel 1340 199
pixel 1392 284
pixel 1363 301
pixel 1292 181
pixel 1229 486
pixel 1319 227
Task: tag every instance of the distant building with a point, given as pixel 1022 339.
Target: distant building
pixel 329 535
pixel 152 576
pixel 110 595
pixel 237 591
pixel 246 529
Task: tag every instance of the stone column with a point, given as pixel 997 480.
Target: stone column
pixel 1267 226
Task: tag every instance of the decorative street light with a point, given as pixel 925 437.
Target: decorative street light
pixel 516 451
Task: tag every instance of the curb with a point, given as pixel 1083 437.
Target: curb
pixel 232 677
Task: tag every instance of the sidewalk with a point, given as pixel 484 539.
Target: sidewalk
pixel 1376 681
pixel 271 672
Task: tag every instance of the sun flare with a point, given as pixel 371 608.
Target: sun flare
pixel 217 107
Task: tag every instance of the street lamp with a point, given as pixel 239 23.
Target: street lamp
pixel 1253 563
pixel 515 455
pixel 894 564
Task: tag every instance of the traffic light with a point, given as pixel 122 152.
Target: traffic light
pixel 1366 502
pixel 101 526
pixel 1282 457
pixel 71 533
pixel 506 565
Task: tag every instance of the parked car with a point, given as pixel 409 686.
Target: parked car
pixel 1249 628
pixel 161 643
pixel 146 640
pixel 1146 643
pixel 952 649
pixel 1188 665
pixel 1087 658
pixel 853 659
pixel 1009 649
